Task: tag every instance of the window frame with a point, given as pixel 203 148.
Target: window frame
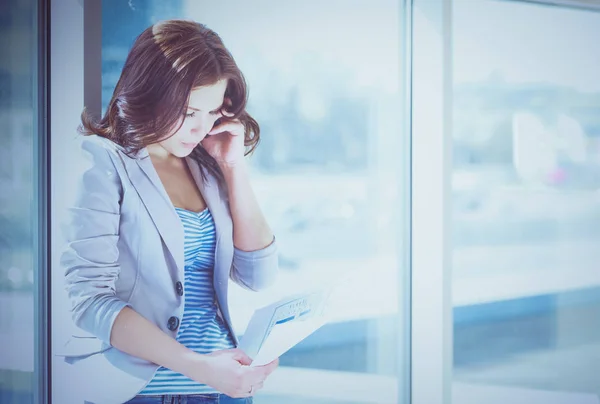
pixel 425 319
pixel 41 200
pixel 586 5
pixel 431 133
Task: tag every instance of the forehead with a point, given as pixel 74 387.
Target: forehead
pixel 208 98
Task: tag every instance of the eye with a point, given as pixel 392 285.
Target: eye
pixel 191 114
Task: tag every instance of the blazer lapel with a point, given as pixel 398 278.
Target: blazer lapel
pixel 153 195
pixel 217 204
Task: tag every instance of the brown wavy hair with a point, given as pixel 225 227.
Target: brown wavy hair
pixel 166 62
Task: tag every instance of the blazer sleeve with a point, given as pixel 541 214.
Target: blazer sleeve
pixel 90 258
pixel 255 270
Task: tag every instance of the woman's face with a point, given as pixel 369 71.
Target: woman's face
pixel 202 111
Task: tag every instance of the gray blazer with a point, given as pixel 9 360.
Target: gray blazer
pixel 125 248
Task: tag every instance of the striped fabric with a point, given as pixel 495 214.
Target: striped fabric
pixel 201 329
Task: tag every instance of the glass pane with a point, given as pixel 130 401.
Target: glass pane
pixel 525 198
pixel 18 106
pixel 327 172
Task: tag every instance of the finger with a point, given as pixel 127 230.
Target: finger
pixel 247 391
pixel 242 358
pixel 256 375
pixel 240 394
pixel 270 367
pixel 260 373
pixel 227 103
pixel 233 127
pixel 253 389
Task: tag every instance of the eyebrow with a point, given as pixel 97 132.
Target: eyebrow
pixel 216 109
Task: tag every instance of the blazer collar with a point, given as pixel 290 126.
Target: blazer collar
pixel 215 198
pixel 217 201
pixel 153 195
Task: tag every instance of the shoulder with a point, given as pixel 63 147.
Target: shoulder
pixel 96 144
pixel 95 176
pixel 99 144
pixel 99 162
pixel 101 151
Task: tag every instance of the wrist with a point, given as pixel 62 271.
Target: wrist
pixel 233 166
pixel 195 366
pixel 232 172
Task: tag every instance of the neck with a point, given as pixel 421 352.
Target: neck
pixel 159 154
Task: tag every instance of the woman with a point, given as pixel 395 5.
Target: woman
pixel 164 216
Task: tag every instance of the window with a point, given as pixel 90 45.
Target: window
pixel 330 174
pixel 525 179
pixel 22 199
pixel 356 199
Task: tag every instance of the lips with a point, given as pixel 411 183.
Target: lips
pixel 189 145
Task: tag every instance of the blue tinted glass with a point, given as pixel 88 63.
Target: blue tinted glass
pixel 327 171
pixel 18 209
pixel 525 200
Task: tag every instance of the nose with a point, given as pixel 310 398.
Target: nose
pixel 202 127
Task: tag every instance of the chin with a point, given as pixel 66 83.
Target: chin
pixel 181 153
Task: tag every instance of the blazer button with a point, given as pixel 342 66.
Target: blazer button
pixel 173 323
pixel 179 288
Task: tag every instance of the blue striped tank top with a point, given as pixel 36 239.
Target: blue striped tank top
pixel 201 329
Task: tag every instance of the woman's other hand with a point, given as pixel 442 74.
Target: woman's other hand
pixel 228 371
